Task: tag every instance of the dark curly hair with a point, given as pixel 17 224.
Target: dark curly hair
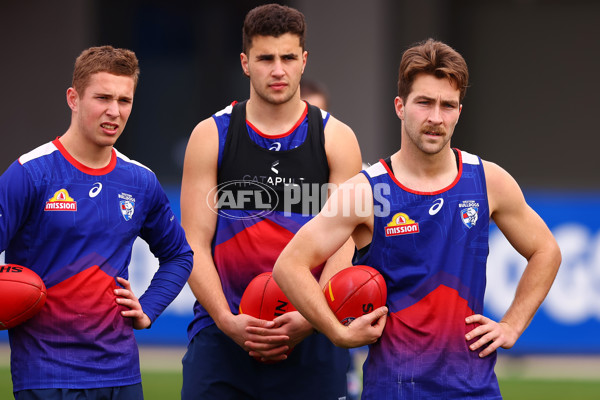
pixel 272 20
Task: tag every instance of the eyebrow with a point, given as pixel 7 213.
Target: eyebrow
pixel 111 96
pixel 272 56
pixel 424 97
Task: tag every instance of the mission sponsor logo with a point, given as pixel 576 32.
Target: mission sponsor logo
pixel 61 201
pixel 401 224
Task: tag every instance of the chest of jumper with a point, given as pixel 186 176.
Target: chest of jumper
pixel 454 216
pixel 423 240
pixel 252 177
pixel 434 217
pixel 91 206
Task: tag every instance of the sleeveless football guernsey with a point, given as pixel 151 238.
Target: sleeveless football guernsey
pixel 431 248
pixel 252 230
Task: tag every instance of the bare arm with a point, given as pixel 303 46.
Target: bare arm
pixel 317 241
pixel 530 236
pixel 199 220
pixel 345 161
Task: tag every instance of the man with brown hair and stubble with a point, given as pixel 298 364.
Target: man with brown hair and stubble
pixel 421 217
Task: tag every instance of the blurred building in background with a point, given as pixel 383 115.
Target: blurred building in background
pixel 531 107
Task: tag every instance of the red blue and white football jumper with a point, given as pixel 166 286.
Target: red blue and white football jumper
pixel 431 248
pixel 75 227
pixel 247 241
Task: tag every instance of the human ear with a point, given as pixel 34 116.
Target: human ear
pixel 304 60
pixel 399 107
pixel 72 99
pixel 244 62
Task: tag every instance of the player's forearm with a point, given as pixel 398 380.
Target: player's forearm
pixel 305 293
pixel 533 287
pixel 206 286
pixel 340 260
pixel 166 284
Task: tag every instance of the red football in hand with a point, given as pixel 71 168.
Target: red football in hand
pixel 264 299
pixel 355 291
pixel 22 295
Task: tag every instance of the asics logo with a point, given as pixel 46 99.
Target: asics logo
pixel 276 146
pixel 437 205
pixel 95 191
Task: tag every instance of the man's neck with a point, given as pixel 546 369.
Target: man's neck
pixel 273 119
pixel 88 154
pixel 425 172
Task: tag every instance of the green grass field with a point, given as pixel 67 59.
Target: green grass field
pixel 542 389
pixel 165 385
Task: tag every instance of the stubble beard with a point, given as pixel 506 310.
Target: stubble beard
pixel 266 96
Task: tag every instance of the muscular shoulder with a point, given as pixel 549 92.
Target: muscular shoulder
pixel 503 190
pixel 337 130
pixel 342 149
pixel 204 137
pixel 201 157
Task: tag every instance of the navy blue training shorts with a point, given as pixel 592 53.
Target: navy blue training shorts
pixel 129 392
pixel 215 367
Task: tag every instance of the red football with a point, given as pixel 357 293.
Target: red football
pixel 355 291
pixel 22 295
pixel 264 299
